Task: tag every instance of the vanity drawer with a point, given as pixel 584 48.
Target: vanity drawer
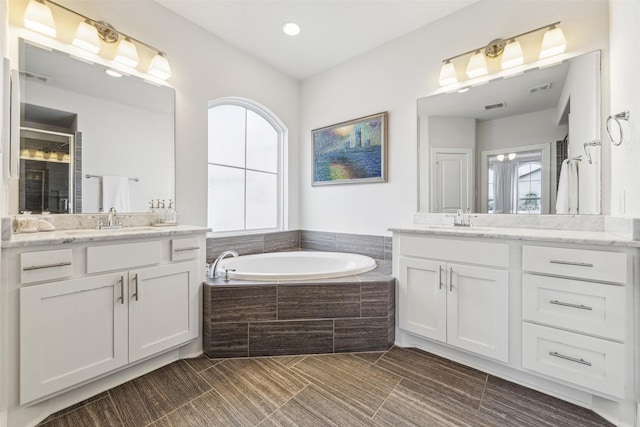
pixel 464 251
pixel 182 249
pixel 45 265
pixel 122 256
pixel 592 308
pixel 589 362
pixel 580 263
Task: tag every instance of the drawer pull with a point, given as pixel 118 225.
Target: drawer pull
pixel 135 295
pixel 121 290
pixel 569 358
pixel 40 267
pixel 577 264
pixel 450 279
pixel 568 304
pixel 439 277
pixel 190 248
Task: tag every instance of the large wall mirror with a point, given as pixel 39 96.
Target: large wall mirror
pixel 79 124
pixel 525 144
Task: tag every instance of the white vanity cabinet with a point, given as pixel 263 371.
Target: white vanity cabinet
pixel 94 308
pixel 466 306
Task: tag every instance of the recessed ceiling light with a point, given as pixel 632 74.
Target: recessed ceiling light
pixel 291 29
pixel 112 73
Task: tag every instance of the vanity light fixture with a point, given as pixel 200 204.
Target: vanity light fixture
pixel 38 17
pixel 90 35
pixel 553 43
pixel 87 37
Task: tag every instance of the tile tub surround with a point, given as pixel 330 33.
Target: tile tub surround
pixel 356 313
pixel 377 247
pixel 399 387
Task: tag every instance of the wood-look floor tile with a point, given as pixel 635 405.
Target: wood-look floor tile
pixel 97 413
pixel 162 422
pixel 454 380
pixel 74 407
pixel 520 406
pixel 371 356
pixel 255 387
pixel 202 362
pixel 411 404
pixel 288 338
pixel 318 301
pixel 210 409
pixel 316 407
pixel 289 361
pixel 152 396
pixel 350 379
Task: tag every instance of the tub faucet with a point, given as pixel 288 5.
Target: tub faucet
pixel 214 266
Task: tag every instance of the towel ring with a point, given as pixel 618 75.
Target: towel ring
pixel 617 117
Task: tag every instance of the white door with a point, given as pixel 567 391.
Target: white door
pixel 452 178
pixel 478 310
pixel 71 331
pixel 422 298
pixel 163 308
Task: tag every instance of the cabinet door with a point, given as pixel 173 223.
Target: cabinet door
pixel 422 298
pixel 71 331
pixel 163 308
pixel 478 310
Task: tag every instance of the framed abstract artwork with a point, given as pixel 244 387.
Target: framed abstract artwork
pixel 351 152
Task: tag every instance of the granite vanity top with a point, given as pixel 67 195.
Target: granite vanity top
pixel 91 235
pixel 602 238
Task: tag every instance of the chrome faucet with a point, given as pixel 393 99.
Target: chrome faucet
pixel 113 221
pixel 462 219
pixel 214 266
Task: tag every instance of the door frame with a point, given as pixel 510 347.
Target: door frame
pixel 470 173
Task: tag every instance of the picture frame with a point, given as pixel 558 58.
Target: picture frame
pixel 351 152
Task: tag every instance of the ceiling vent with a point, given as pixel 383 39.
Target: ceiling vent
pixel 30 75
pixel 494 106
pixel 540 88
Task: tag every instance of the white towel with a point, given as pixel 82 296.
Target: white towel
pixel 567 198
pixel 115 193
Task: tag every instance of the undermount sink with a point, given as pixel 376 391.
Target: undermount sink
pixel 85 231
pixel 452 227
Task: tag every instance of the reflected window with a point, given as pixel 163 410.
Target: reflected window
pixel 515 183
pixel 245 168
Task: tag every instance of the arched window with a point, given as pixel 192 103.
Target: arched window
pixel 246 158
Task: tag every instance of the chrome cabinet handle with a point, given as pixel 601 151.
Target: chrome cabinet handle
pixel 40 267
pixel 439 277
pixel 135 279
pixel 568 304
pixel 191 248
pixel 569 358
pixel 577 264
pixel 450 279
pixel 121 290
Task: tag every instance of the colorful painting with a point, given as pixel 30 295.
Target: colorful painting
pixel 351 152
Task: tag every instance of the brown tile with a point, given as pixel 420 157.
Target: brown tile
pixel 242 303
pixel 201 362
pixel 243 244
pixel 314 406
pixel 411 404
pixel 456 381
pixel 210 409
pixel 371 356
pixel 289 338
pixel 318 301
pixel 391 333
pixel 152 396
pixel 228 340
pixel 388 248
pixel 520 406
pixel 318 240
pixel 97 413
pixel 282 241
pixel 363 244
pixel 350 379
pixel 256 387
pixel 76 406
pixel 288 361
pixel 375 298
pixel 370 334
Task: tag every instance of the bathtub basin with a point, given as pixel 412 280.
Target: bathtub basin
pixel 278 266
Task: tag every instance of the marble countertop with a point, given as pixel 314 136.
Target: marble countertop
pixel 601 238
pixel 91 235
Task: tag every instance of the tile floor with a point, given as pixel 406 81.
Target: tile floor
pixel 399 387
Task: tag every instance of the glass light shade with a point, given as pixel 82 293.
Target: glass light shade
pixel 512 55
pixel 87 37
pixel 38 17
pixel 448 74
pixel 160 67
pixel 477 66
pixel 553 43
pixel 127 53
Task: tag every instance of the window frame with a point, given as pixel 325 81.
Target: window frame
pixel 281 174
